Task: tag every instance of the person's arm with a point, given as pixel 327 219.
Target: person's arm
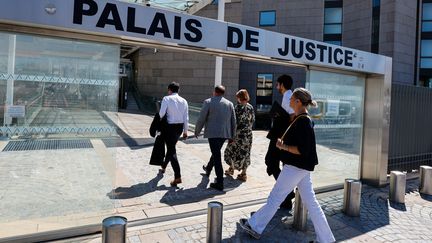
pixel 233 122
pixel 163 108
pixel 202 118
pixel 291 149
pixel 303 137
pixel 186 121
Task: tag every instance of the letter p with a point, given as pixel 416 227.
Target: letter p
pixel 79 10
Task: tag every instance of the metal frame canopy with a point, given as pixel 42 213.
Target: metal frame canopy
pixel 146 25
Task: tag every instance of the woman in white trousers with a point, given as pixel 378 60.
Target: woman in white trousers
pixel 299 158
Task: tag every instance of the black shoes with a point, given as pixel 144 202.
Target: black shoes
pixel 217 186
pixel 246 227
pixel 286 205
pixel 207 173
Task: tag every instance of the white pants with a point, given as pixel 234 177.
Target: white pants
pixel 290 177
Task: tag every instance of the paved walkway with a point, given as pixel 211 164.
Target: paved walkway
pixel 46 190
pixel 379 221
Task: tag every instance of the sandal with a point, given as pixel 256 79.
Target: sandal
pixel 242 177
pixel 229 172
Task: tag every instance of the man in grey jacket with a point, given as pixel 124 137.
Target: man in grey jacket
pixel 218 117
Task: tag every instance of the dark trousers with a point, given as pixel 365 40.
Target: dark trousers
pixel 273 168
pixel 171 137
pixel 215 159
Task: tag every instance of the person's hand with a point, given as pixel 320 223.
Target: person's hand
pixel 185 135
pixel 279 144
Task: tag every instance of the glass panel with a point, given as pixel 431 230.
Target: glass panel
pixel 332 29
pixel 427 11
pixel 426 48
pixel 426 63
pixel 57 172
pixel 339 43
pixel 426 26
pixel 338 122
pixel 376 3
pixel 264 80
pixel 267 18
pixel 332 15
pixel 264 92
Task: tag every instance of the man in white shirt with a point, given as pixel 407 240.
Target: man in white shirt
pixel 283 85
pixel 176 109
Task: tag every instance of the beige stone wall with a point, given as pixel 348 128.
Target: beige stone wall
pixel 194 72
pixel 154 70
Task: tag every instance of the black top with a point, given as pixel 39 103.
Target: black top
pixel 302 135
pixel 281 120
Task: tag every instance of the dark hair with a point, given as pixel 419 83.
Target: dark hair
pixel 219 89
pixel 286 81
pixel 304 96
pixel 174 87
pixel 243 95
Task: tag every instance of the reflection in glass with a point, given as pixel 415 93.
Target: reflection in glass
pixel 332 29
pixel 332 15
pixel 338 120
pixel 53 175
pixel 427 11
pixel 267 18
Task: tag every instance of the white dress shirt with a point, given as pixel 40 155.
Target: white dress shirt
pixel 176 109
pixel 286 102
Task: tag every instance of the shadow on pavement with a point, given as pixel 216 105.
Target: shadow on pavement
pixel 196 194
pixel 426 197
pixel 138 189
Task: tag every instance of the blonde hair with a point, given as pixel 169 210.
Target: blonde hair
pixel 243 95
pixel 305 97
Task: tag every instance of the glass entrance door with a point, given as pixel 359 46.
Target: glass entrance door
pixel 338 122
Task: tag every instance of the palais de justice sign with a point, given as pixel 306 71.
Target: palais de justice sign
pixel 149 24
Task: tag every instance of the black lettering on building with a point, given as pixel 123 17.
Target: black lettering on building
pixel 338 56
pixel 177 27
pixel 348 58
pixel 230 42
pixel 329 55
pixel 321 52
pixel 250 40
pixel 110 9
pixel 79 10
pixel 159 18
pixel 310 51
pixel 131 27
pixel 297 53
pixel 284 52
pixel 191 25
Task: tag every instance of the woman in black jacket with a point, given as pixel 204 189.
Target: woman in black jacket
pixel 299 158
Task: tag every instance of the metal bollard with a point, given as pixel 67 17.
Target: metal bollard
pixel 114 229
pixel 214 222
pixel 426 180
pixel 300 213
pixel 397 187
pixel 352 197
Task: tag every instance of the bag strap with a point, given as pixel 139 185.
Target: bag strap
pixel 292 124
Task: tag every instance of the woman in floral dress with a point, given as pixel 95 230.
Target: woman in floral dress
pixel 237 153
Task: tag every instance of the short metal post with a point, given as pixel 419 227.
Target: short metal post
pixel 114 229
pixel 397 186
pixel 214 222
pixel 352 197
pixel 426 180
pixel 300 213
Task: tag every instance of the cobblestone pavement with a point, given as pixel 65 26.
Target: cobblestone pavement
pixel 379 221
pixel 55 189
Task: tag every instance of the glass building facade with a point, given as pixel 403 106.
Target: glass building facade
pixel 55 96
